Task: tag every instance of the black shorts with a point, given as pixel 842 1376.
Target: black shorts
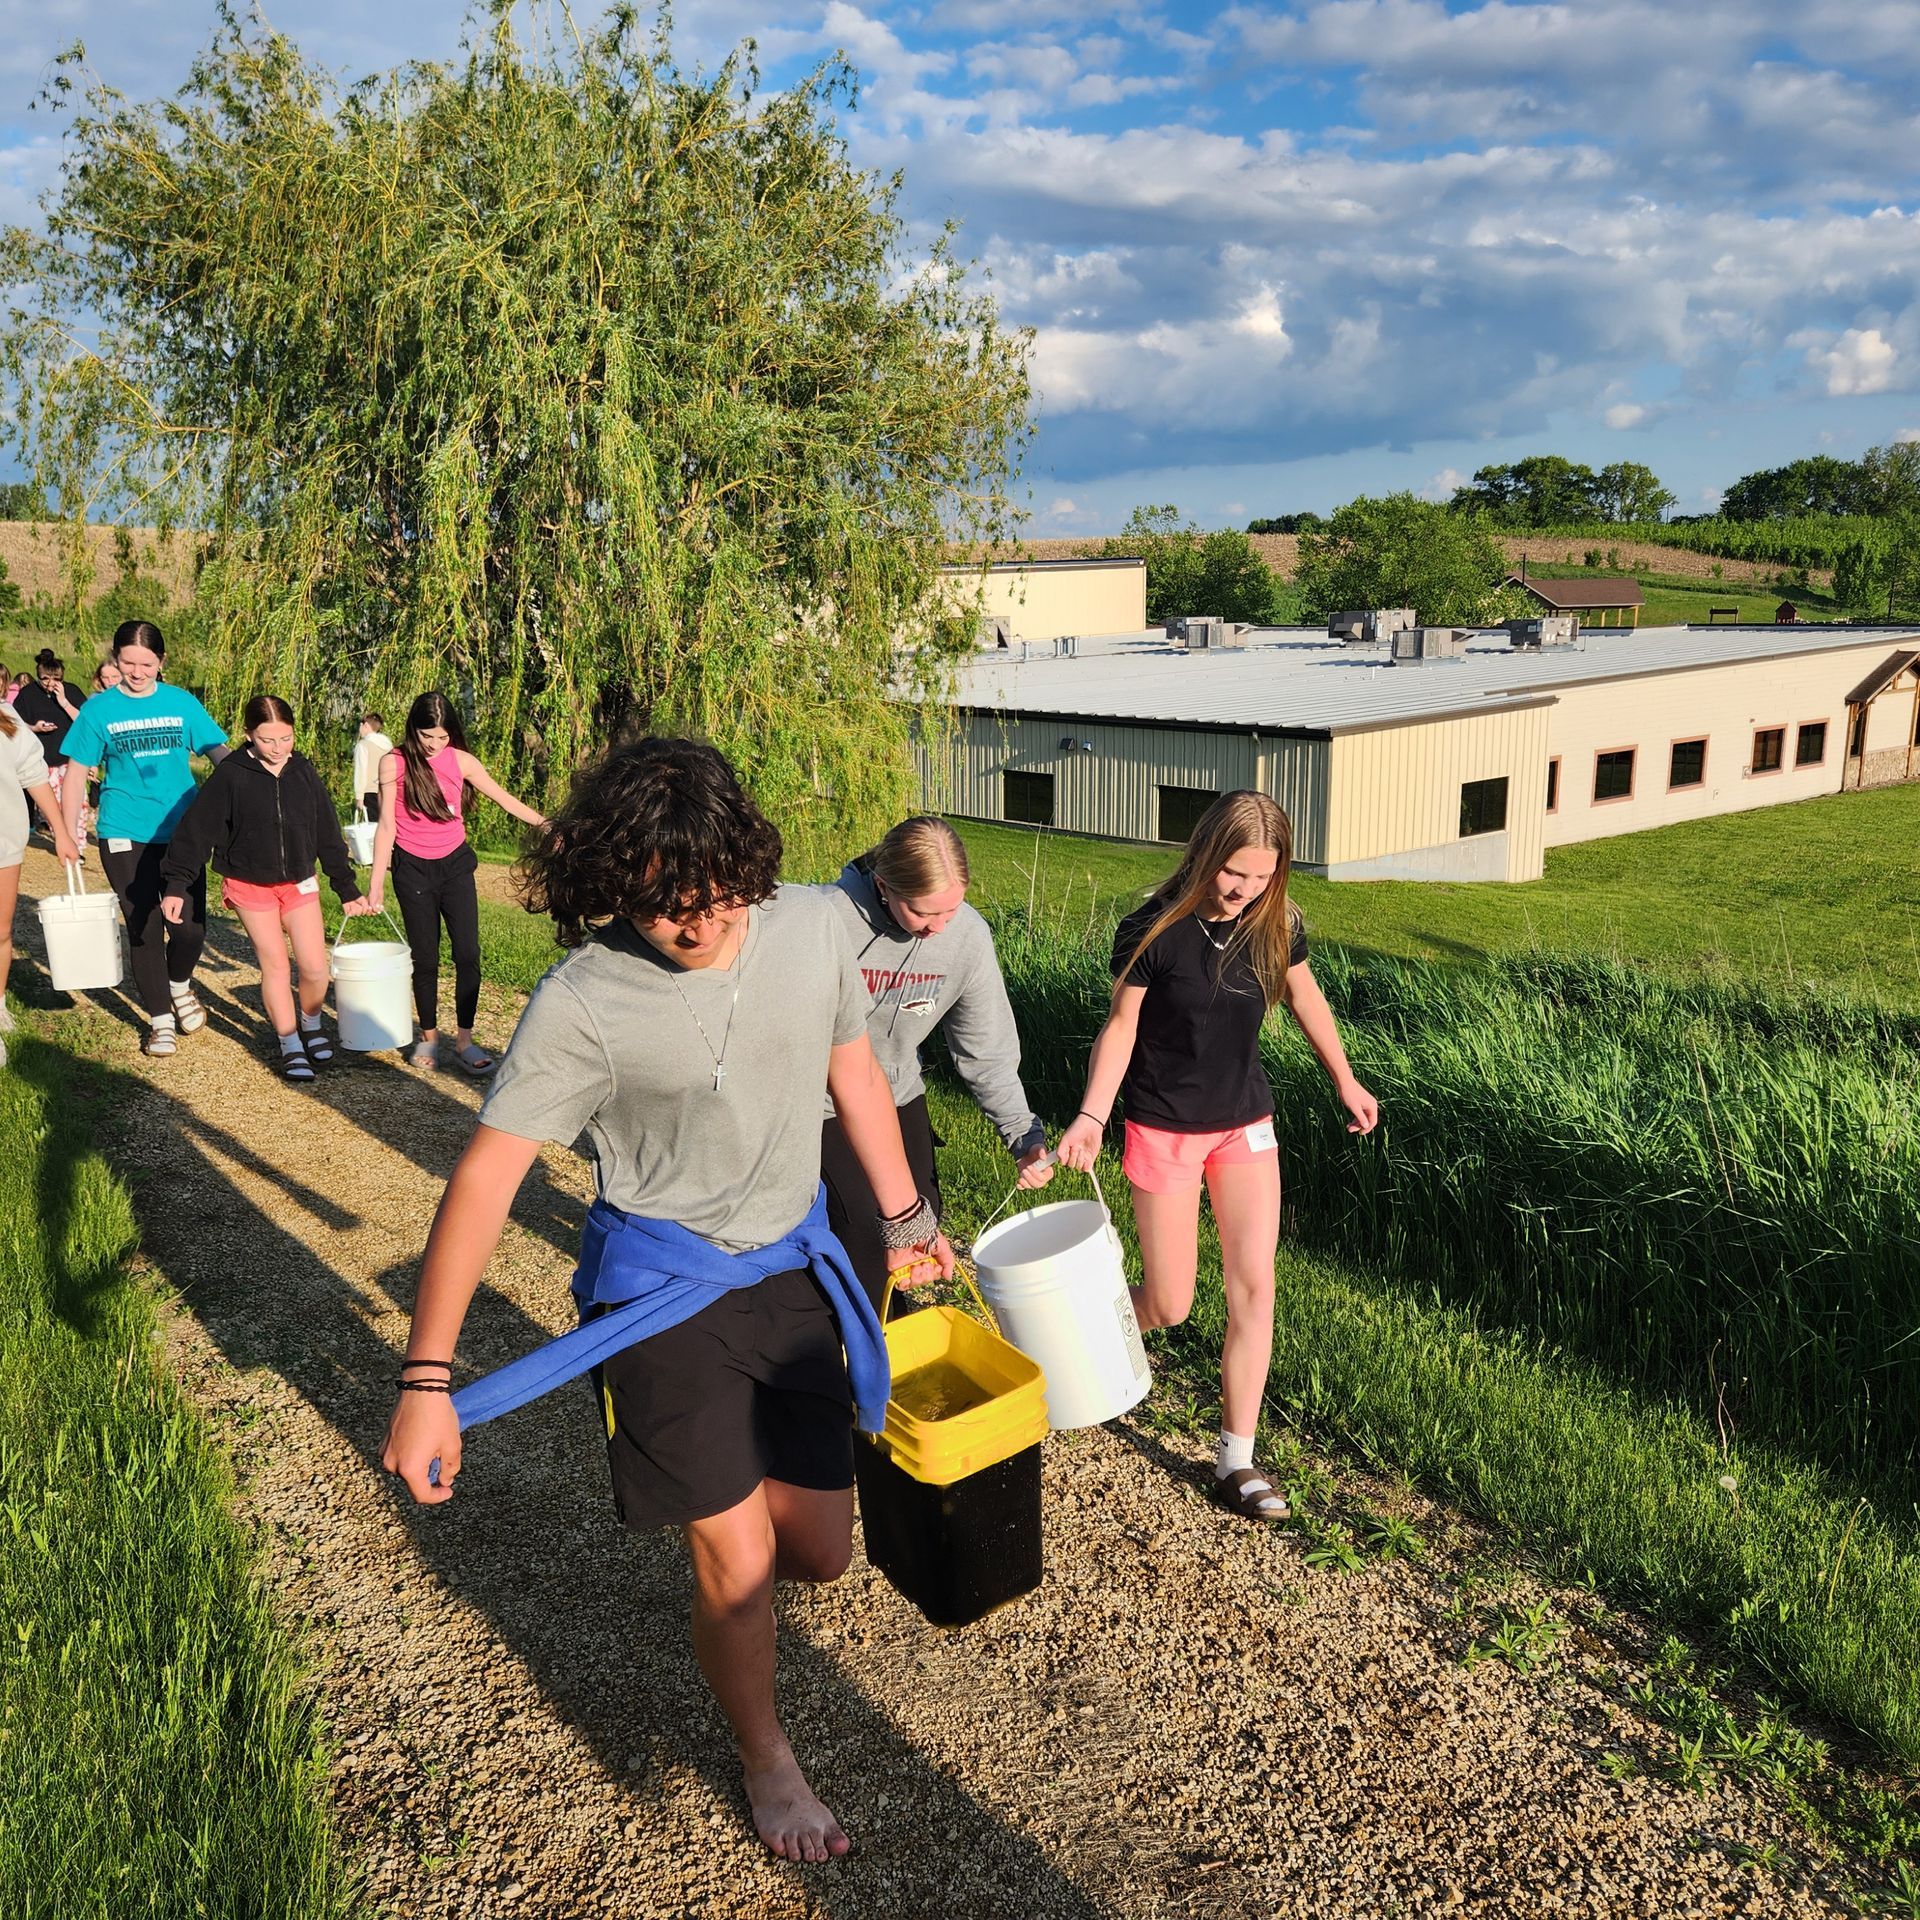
pixel 752 1388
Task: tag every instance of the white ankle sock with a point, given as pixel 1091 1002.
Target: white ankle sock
pixel 290 1043
pixel 160 1022
pixel 309 1022
pixel 180 989
pixel 1236 1451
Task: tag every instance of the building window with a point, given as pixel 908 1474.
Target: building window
pixel 1180 810
pixel 1553 784
pixel 1483 807
pixel 1688 765
pixel 1769 749
pixel 1857 734
pixel 1613 775
pixel 1028 798
pixel 1810 744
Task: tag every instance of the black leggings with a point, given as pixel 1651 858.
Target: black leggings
pixel 161 953
pixel 851 1207
pixel 430 891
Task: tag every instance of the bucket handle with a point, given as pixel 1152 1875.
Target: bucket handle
pixel 384 915
pixel 973 1287
pixel 1099 1192
pixel 76 879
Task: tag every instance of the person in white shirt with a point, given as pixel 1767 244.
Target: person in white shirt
pixel 369 750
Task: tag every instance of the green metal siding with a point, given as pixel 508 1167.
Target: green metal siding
pixel 1107 782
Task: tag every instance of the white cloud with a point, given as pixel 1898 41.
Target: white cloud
pixel 1623 415
pixel 1861 360
pixel 1444 484
pixel 1906 434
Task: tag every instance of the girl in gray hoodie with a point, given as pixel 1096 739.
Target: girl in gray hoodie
pixel 928 961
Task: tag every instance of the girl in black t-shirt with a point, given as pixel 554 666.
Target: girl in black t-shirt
pixel 1196 971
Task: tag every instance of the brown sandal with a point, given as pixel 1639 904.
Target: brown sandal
pixel 1249 1493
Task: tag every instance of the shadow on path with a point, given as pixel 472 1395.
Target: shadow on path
pixel 597 1614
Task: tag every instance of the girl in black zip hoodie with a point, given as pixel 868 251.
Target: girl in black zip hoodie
pixel 265 817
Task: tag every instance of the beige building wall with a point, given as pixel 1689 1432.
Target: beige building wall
pixel 1395 794
pixel 1044 602
pixel 1107 780
pixel 1725 705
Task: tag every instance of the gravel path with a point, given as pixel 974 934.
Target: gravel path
pixel 1185 1720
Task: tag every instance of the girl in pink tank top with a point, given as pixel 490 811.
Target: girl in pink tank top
pixel 422 841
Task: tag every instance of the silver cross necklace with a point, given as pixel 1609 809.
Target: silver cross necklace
pixel 733 1005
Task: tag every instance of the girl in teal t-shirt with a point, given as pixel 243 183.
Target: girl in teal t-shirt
pixel 142 735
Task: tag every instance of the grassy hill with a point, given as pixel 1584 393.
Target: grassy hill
pixel 1824 893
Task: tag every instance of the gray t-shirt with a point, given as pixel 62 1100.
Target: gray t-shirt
pixel 610 1046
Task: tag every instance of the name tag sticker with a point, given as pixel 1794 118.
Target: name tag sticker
pixel 311 884
pixel 119 846
pixel 1260 1136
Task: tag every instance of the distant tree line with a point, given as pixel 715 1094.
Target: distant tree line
pixel 1882 484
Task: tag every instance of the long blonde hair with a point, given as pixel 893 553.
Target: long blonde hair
pixel 920 855
pixel 1264 930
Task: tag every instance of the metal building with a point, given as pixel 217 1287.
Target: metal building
pixel 1426 754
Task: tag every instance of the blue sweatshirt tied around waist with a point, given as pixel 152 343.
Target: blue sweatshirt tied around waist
pixel 637 1277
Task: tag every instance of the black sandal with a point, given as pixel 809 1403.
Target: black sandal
pixel 297 1068
pixel 319 1047
pixel 1249 1493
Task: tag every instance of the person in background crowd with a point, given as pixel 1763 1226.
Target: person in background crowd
pixel 46 706
pixel 142 734
pixel 265 817
pixel 691 1032
pixel 105 675
pixel 423 839
pixel 928 960
pixel 1196 971
pixel 369 750
pixel 23 777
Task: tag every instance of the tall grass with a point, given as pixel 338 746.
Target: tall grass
pixel 1786 1567
pixel 158 1754
pixel 1713 1192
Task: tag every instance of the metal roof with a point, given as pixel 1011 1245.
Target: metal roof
pixel 1297 680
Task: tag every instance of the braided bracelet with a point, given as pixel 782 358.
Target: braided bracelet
pixel 426 1386
pixel 912 1229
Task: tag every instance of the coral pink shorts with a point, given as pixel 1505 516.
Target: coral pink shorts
pixel 280 898
pixel 1158 1160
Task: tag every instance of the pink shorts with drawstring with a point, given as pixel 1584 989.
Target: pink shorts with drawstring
pixel 1158 1160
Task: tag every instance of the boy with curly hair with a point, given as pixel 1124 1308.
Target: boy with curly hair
pixel 690 1034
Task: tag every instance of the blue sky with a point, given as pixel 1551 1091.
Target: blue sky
pixel 1277 254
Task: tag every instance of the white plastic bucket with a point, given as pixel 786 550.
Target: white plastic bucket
pixel 1057 1284
pixel 82 932
pixel 360 831
pixel 373 994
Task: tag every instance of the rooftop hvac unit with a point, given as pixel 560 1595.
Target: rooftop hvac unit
pixel 1544 630
pixel 1198 631
pixel 1367 626
pixel 1429 643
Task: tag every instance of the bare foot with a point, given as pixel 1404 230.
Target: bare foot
pixel 788 1817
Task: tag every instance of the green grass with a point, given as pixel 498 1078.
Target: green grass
pixel 158 1755
pixel 1680 599
pixel 1788 1570
pixel 1823 894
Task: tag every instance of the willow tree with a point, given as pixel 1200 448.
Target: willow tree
pixel 594 391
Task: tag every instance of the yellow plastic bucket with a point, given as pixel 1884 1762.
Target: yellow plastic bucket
pixel 1001 1405
pixel 950 1487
